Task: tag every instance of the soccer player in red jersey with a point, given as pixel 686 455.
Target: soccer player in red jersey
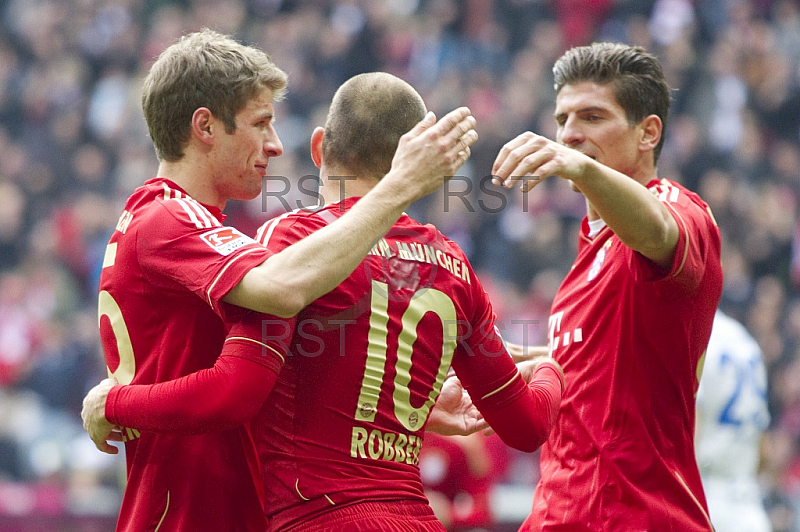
pixel 173 273
pixel 631 321
pixel 339 435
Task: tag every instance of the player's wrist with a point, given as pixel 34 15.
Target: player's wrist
pixel 391 194
pixel 549 364
pixel 109 411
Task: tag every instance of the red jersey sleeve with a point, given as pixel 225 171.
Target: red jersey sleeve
pixel 218 398
pixel 698 235
pixel 187 245
pixel 283 231
pixel 521 414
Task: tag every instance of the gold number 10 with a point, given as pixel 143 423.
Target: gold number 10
pixel 422 302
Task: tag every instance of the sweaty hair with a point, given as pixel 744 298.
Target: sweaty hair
pixel 368 115
pixel 635 75
pixel 203 69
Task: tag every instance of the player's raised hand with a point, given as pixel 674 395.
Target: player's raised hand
pixel 454 414
pixel 432 152
pixel 529 159
pixel 94 417
pixel 528 367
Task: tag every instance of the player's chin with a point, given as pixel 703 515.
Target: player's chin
pixel 248 192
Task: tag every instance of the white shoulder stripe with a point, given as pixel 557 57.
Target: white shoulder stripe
pixel 203 213
pixel 190 212
pixel 198 214
pixel 171 193
pixel 262 229
pixel 265 232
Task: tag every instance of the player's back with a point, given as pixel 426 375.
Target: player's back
pixel 732 415
pixel 344 422
pixel 156 326
pixel 731 402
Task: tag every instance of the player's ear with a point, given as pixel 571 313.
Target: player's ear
pixel 650 132
pixel 202 121
pixel 316 145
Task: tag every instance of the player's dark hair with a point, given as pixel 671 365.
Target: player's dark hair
pixel 635 75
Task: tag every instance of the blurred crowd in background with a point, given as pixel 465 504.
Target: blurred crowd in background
pixel 73 146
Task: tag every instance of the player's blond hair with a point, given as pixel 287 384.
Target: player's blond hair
pixel 368 115
pixel 203 69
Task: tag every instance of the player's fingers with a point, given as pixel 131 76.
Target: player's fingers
pixel 508 157
pixel 543 165
pixel 115 435
pixel 427 121
pixel 534 163
pixel 462 157
pixel 105 447
pixel 456 122
pixel 110 449
pixel 456 143
pixel 463 130
pixel 468 138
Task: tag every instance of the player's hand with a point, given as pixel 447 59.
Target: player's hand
pixel 454 414
pixel 528 367
pixel 520 353
pixel 529 159
pixel 94 417
pixel 431 153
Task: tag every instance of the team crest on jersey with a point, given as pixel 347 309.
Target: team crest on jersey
pixel 599 259
pixel 226 240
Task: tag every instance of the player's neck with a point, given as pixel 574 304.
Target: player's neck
pixel 339 184
pixel 192 182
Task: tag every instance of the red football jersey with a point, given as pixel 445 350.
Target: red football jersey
pixel 630 337
pixel 167 265
pixel 345 420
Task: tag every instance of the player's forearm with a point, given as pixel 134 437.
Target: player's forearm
pixel 214 399
pixel 636 216
pixel 288 281
pixel 523 415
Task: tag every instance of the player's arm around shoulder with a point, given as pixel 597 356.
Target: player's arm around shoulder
pixel 426 157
